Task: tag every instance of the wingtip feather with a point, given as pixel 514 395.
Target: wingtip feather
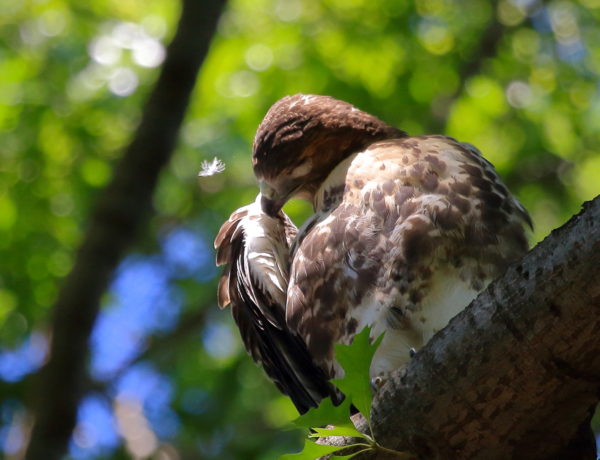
pixel 223 290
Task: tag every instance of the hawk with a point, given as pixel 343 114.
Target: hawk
pixel 406 231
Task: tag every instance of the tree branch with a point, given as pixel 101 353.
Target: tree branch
pixel 120 212
pixel 517 374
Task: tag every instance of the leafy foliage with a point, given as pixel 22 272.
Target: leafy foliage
pixel 73 76
pixel 326 414
pixel 355 359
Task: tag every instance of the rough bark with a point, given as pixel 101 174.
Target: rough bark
pixel 517 374
pixel 121 210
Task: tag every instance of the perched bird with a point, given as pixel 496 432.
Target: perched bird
pixel 405 232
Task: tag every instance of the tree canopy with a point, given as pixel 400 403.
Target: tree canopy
pixel 167 375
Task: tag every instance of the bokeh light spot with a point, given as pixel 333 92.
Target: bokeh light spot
pixel 259 57
pixel 122 81
pixel 24 359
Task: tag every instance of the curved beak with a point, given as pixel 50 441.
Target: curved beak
pixel 269 202
pixel 269 207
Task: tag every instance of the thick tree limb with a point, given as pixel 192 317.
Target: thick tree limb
pixel 119 214
pixel 517 374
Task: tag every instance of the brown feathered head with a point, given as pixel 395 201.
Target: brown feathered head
pixel 302 138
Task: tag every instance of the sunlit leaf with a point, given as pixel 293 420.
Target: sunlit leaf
pixel 338 431
pixel 326 414
pixel 356 359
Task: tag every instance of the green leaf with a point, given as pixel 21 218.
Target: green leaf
pixel 356 359
pixel 346 457
pixel 338 431
pixel 326 414
pixel 312 451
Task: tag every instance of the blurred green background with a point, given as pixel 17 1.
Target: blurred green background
pixel 169 378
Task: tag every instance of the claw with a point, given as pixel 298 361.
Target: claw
pixel 412 352
pixel 377 382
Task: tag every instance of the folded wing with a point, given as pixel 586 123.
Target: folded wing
pixel 255 249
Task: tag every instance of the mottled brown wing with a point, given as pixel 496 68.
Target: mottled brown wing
pixel 397 226
pixel 255 251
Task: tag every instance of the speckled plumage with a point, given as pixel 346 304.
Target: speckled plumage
pixel 406 232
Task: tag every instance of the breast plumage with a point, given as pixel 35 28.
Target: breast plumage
pixel 406 231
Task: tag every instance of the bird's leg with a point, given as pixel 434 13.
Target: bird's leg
pixel 378 381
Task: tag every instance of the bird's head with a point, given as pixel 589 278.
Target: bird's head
pixel 302 138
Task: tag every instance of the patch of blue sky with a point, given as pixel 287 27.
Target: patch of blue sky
pixel 12 436
pixel 188 255
pixel 541 20
pixel 219 340
pixel 143 290
pixel 11 439
pixel 16 363
pixel 96 432
pixel 154 391
pixel 143 301
pixel 525 4
pixel 114 344
pixel 572 52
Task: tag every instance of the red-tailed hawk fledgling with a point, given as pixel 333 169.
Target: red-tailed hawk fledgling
pixel 406 231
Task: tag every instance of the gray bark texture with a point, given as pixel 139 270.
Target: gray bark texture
pixel 514 376
pixel 117 218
